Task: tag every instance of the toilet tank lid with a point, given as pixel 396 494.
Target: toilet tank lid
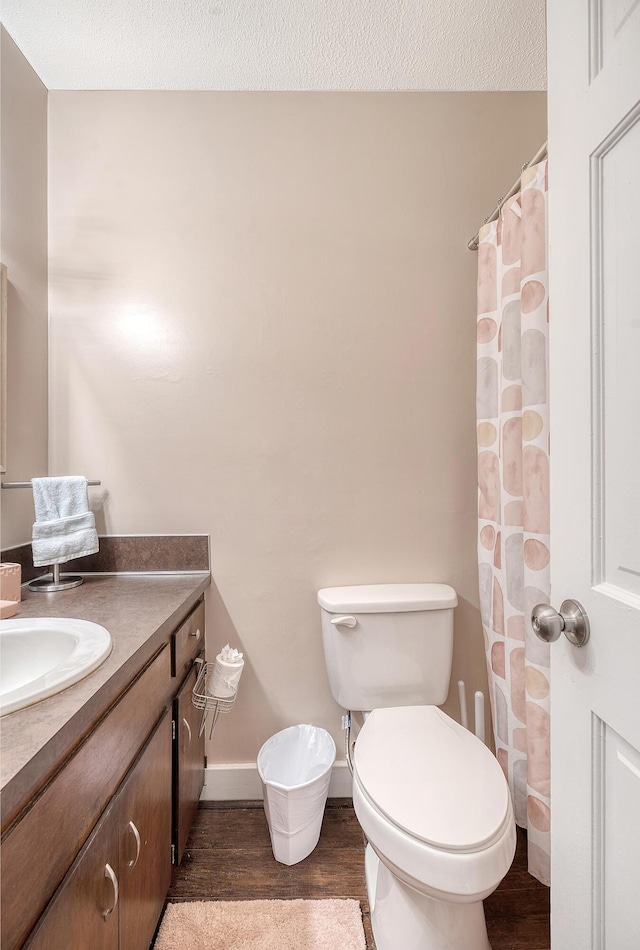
pixel 387 598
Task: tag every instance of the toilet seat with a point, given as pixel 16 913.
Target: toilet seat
pixel 432 779
pixel 410 792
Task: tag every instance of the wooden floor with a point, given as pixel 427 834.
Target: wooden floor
pixel 229 857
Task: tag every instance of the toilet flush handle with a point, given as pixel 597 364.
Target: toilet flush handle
pixel 347 621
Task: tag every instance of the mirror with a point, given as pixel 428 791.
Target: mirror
pixel 3 368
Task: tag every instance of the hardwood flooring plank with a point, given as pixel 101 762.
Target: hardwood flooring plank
pixel 238 829
pixel 244 804
pixel 519 879
pixel 515 903
pixel 255 875
pixel 229 830
pixel 366 924
pixel 518 919
pixel 511 935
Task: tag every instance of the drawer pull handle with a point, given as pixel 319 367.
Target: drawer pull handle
pixel 109 873
pixel 188 728
pixel 196 633
pixel 136 834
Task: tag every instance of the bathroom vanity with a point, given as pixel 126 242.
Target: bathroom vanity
pixel 100 783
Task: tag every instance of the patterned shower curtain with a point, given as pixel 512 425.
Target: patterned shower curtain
pixel 513 506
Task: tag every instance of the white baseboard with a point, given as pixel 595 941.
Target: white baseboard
pixel 240 781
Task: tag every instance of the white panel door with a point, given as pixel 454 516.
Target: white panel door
pixel 594 231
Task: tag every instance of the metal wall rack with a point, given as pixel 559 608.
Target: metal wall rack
pixel 202 699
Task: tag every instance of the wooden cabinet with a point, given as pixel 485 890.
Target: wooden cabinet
pixel 40 849
pixel 113 894
pixel 189 762
pixel 104 831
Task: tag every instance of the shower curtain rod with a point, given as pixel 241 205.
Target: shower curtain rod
pixel 515 188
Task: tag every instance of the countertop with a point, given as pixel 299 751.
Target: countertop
pixel 139 611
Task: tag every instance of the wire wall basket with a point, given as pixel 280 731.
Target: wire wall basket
pixel 202 699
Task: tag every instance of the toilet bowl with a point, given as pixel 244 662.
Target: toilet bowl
pixel 435 807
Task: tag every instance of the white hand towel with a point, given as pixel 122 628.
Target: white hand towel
pixel 64 526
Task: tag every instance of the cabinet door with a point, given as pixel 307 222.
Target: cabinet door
pixel 189 763
pixel 144 828
pixel 83 913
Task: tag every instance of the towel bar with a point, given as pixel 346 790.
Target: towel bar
pixel 28 484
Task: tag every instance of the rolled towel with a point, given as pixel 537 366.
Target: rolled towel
pixel 64 526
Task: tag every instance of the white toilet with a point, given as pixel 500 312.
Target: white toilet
pixel 430 796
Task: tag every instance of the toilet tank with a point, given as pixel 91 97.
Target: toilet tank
pixel 388 644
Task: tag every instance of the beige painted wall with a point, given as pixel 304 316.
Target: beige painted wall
pixel 262 327
pixel 23 248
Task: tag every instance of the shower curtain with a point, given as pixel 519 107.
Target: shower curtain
pixel 513 497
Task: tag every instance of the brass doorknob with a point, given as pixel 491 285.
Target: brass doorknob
pixel 571 619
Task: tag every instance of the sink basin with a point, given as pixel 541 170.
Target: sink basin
pixel 39 658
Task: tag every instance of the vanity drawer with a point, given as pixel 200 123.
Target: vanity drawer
pixel 188 641
pixel 63 816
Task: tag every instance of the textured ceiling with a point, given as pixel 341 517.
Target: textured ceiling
pixel 282 44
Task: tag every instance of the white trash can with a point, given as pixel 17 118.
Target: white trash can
pixel 295 768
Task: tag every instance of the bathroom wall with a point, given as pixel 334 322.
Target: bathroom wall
pixel 262 327
pixel 23 249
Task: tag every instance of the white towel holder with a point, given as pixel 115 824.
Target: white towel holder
pixel 56 581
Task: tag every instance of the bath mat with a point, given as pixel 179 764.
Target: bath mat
pixel 262 925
